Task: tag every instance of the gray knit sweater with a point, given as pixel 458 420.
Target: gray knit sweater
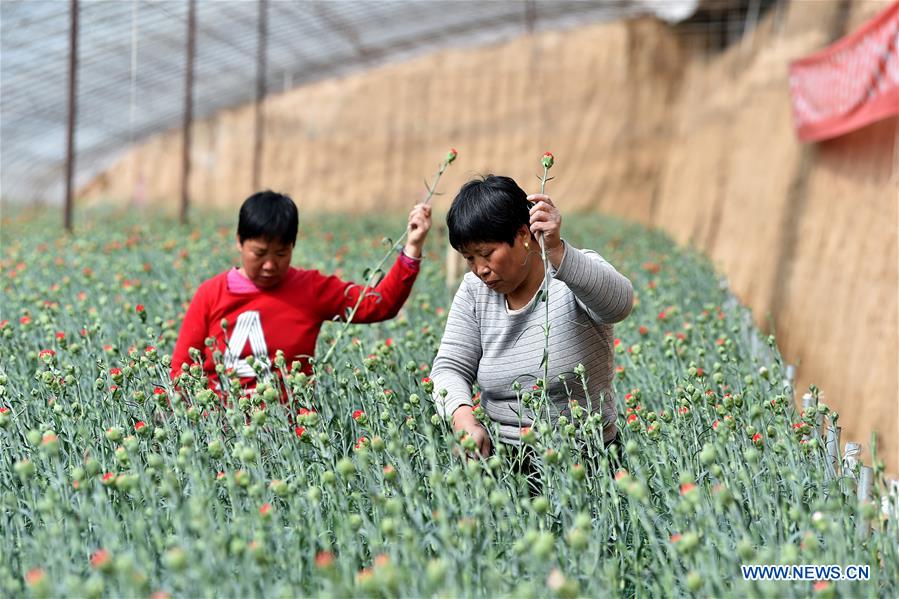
pixel 485 341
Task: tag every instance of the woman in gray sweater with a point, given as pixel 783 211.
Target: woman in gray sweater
pixel 494 329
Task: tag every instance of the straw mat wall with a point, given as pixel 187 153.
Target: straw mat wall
pixel 645 123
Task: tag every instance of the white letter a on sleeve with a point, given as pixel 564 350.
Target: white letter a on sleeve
pixel 248 327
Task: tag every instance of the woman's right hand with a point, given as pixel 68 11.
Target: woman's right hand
pixel 464 420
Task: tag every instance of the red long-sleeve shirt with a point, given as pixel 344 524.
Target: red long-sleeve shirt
pixel 287 317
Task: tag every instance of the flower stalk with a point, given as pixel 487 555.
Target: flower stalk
pixel 375 272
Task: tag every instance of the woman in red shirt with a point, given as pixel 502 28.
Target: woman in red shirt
pixel 267 305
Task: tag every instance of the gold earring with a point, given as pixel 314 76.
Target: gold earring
pixel 527 245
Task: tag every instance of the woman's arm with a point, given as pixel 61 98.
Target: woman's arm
pixel 607 294
pixel 193 332
pixel 337 298
pixel 456 365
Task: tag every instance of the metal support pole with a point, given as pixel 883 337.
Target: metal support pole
pixel 865 482
pixel 833 447
pixel 73 108
pixel 530 15
pixel 261 44
pixel 188 108
pixel 850 466
pixel 789 381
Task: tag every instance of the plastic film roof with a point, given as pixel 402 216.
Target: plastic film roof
pixel 132 61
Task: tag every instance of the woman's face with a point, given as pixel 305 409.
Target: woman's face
pixel 502 267
pixel 265 262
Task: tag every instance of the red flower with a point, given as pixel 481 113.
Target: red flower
pixel 324 559
pixel 686 488
pixel 34 576
pixel 265 509
pixel 108 476
pixel 715 424
pixel 360 442
pixel 700 372
pixel 426 380
pixel 60 335
pixel 620 474
pixel 631 418
pixel 305 412
pixel 548 160
pixel 299 431
pixel 451 155
pixel 388 342
pixel 139 425
pixel 139 308
pixel 617 342
pixel 221 474
pixel 4 410
pixel 684 410
pixel 25 320
pixel 3 324
pixel 820 586
pixel 358 414
pixel 675 537
pixel 662 315
pixel 100 558
pixel 757 438
pixel 643 330
pixel 46 353
pixel 115 371
pixel 157 391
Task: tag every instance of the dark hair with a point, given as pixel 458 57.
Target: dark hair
pixel 269 215
pixel 490 209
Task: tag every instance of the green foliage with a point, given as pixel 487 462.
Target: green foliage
pixel 112 483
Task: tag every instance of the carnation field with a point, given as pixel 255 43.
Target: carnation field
pixel 114 484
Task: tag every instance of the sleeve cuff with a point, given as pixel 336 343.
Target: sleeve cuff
pixel 413 264
pixel 562 265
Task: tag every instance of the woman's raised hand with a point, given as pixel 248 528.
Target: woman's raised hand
pixel 546 219
pixel 417 228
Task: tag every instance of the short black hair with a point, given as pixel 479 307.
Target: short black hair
pixel 269 215
pixel 487 209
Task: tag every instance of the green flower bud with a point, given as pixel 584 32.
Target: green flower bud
pixel 34 437
pixel 346 467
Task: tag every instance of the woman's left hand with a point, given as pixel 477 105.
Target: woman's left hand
pixel 546 219
pixel 418 226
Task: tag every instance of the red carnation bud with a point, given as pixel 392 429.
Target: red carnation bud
pixel 100 559
pixel 324 559
pixel 451 155
pixel 548 160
